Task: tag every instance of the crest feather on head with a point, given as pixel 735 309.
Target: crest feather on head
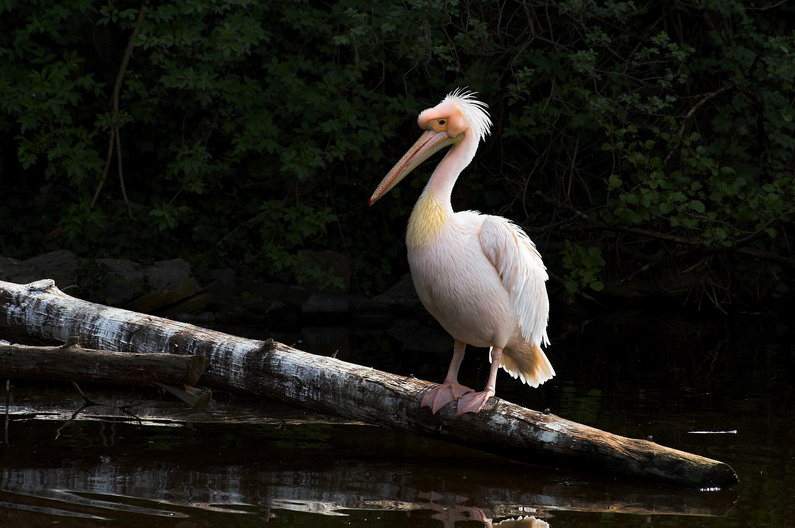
pixel 474 111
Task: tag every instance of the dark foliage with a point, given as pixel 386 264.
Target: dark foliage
pixel 646 147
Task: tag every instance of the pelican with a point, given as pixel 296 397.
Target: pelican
pixel 479 275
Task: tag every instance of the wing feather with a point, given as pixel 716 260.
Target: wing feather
pixel 522 272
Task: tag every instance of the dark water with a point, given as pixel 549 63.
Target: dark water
pixel 717 387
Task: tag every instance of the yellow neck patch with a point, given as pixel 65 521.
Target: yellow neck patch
pixel 426 221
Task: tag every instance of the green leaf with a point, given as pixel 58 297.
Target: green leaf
pixel 696 205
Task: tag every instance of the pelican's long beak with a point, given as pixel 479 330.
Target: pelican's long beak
pixel 430 142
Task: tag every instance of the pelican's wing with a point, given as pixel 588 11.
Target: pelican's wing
pixel 522 272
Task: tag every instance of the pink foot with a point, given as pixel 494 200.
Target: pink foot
pixel 474 401
pixel 440 396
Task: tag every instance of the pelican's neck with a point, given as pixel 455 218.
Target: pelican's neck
pixel 446 174
pixel 433 209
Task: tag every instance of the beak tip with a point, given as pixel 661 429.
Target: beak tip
pixel 374 198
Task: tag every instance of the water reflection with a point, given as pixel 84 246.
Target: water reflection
pixel 449 515
pixel 279 463
pixel 249 462
pixel 140 486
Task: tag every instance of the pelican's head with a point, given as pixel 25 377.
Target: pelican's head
pixel 458 116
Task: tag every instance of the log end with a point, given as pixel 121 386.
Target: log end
pixel 196 367
pixel 718 475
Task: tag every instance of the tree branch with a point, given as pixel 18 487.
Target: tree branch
pixel 77 364
pixel 114 140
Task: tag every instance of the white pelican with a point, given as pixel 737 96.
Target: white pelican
pixel 479 275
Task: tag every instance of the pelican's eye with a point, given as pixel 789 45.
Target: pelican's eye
pixel 438 125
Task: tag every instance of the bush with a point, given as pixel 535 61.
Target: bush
pixel 632 141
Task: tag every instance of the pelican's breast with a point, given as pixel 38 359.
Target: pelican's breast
pixel 453 279
pixel 427 221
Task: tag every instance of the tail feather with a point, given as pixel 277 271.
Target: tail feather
pixel 528 363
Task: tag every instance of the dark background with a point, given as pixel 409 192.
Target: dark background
pixel 646 147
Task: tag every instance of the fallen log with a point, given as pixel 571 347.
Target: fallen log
pixel 328 385
pixel 74 363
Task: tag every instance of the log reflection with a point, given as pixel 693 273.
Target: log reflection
pixel 276 461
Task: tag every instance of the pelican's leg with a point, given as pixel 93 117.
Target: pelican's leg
pixel 474 401
pixel 450 390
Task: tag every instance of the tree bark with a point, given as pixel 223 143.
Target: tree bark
pixel 328 385
pixel 74 363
